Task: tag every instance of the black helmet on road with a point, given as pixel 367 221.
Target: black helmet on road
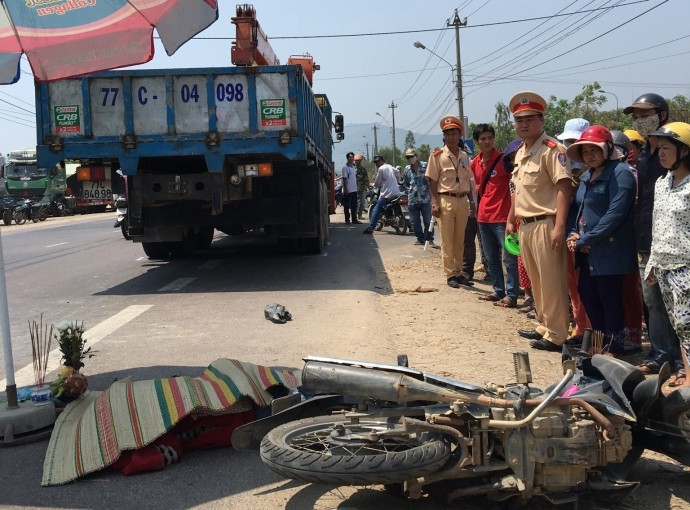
pixel 649 100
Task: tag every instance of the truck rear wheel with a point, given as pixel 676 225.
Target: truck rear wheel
pixel 204 238
pixel 186 246
pixel 156 250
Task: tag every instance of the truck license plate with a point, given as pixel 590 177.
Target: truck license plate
pixel 98 190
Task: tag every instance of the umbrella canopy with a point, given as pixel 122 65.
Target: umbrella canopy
pixel 63 38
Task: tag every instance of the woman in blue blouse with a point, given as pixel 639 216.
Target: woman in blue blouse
pixel 602 231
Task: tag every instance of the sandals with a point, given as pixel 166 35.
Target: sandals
pixel 506 302
pixel 527 306
pixel 649 367
pixel 490 297
pixel 677 379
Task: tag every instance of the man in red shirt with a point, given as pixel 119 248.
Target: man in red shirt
pixel 493 205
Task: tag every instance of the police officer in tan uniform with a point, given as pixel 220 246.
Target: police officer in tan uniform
pixel 448 172
pixel 543 184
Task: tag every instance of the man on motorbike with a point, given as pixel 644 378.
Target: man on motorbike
pixel 387 179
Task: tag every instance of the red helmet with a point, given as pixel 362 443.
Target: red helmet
pixel 596 134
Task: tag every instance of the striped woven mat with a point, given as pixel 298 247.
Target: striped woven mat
pixel 93 431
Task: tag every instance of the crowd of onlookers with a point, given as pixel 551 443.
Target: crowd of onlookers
pixel 598 223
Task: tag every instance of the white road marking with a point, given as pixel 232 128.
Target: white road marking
pixel 53 245
pixel 178 284
pixel 25 376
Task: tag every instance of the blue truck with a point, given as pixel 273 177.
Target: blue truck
pixel 237 149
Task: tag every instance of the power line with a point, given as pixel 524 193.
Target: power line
pixel 585 43
pixel 400 32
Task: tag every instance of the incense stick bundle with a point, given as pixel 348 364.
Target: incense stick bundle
pixel 598 341
pixel 41 339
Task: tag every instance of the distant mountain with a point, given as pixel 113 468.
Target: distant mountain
pixel 356 142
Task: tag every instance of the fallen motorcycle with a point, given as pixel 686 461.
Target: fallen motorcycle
pixel 365 423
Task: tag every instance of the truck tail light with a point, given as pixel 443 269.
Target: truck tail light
pixel 255 170
pixel 93 173
pixel 83 173
pixel 265 169
pixel 97 173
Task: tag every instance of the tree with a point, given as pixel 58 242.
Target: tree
pixel 588 105
pixel 505 130
pixel 409 140
pixel 679 109
pixel 423 152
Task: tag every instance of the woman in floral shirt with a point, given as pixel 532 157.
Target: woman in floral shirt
pixel 669 261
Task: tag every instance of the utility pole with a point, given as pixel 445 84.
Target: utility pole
pixel 457 24
pixel 376 140
pixel 393 106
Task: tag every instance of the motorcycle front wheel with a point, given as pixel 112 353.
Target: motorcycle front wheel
pixel 379 224
pixel 7 216
pixel 19 216
pixel 364 451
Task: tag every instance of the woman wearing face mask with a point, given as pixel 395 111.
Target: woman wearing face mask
pixel 649 113
pixel 669 261
pixel 603 234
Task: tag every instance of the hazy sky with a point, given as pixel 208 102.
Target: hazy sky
pixel 629 47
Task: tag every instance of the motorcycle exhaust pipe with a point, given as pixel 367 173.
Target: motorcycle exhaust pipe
pixel 378 385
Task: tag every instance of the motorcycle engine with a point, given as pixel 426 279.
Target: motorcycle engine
pixel 566 444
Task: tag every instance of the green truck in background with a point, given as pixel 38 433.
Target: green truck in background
pixel 78 189
pixel 23 178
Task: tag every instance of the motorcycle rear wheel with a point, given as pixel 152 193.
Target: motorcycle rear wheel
pixel 337 450
pixel 7 216
pixel 401 227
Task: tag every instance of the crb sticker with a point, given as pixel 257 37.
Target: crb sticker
pixel 561 158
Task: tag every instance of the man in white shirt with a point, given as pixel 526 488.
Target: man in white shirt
pixel 387 180
pixel 350 188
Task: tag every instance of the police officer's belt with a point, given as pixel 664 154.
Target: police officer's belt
pixel 533 219
pixel 453 194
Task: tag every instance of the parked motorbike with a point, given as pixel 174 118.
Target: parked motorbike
pixel 30 210
pixel 395 214
pixel 7 207
pixel 364 423
pixel 121 221
pixel 338 192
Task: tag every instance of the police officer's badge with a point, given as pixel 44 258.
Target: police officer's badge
pixel 561 158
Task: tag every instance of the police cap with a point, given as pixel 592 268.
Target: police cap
pixel 527 103
pixel 451 122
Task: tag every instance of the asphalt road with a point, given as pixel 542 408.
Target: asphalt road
pixel 151 319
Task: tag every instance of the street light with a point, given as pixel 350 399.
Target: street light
pixel 384 120
pixel 614 95
pixel 453 70
pixel 368 143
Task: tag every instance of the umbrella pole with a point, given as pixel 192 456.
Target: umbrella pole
pixel 11 389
